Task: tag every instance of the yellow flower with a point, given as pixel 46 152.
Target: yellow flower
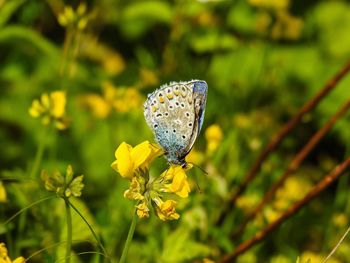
pixel 70 17
pixel 148 77
pixel 214 135
pixel 4 258
pixel 340 220
pixel 3 195
pixel 98 106
pixel 142 210
pixel 136 189
pixel 173 180
pixel 130 160
pixel 166 210
pixel 51 107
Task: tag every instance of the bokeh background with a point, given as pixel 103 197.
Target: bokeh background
pixel 262 60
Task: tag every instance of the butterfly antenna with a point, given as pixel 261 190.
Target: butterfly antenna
pixel 196 178
pixel 200 168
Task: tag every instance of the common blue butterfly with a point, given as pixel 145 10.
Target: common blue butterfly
pixel 175 114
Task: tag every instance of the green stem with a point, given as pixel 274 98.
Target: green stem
pixel 38 155
pixel 69 231
pixel 129 238
pixel 104 252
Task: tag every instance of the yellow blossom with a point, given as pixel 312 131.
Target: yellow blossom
pixel 214 135
pixel 287 26
pixel 113 64
pixel 148 77
pixel 129 160
pixel 58 100
pixel 136 189
pixel 121 99
pixel 294 188
pixel 77 18
pixel 340 220
pixel 3 195
pixel 166 210
pixel 174 180
pixel 98 106
pixel 4 258
pixel 51 108
pixel 142 210
pixel 271 214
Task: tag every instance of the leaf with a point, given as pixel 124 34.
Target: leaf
pixel 20 33
pixel 242 17
pixel 179 247
pixel 151 10
pixel 138 17
pixel 8 10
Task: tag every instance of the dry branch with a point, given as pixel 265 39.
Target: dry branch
pixel 282 133
pixel 314 192
pixel 294 165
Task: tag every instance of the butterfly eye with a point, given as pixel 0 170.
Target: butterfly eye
pixel 174 131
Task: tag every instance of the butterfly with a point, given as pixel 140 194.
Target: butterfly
pixel 175 114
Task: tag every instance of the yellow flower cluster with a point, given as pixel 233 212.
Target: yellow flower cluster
pixel 51 108
pixel 275 19
pixel 133 164
pixel 77 18
pixel 4 258
pixel 120 99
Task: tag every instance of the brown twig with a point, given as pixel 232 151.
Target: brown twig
pixel 276 140
pixel 314 192
pixel 294 165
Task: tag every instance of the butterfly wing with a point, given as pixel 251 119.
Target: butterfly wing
pixel 200 90
pixel 175 115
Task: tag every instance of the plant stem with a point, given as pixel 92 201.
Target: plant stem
pixel 69 230
pixel 38 155
pixel 129 238
pixel 104 251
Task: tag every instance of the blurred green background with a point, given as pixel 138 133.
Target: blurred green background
pixel 262 60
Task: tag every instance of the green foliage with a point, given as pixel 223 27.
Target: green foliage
pixel 262 60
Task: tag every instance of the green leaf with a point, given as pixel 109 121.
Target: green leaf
pixel 19 33
pixel 152 10
pixel 8 9
pixel 179 247
pixel 242 17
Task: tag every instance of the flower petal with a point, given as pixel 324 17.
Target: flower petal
pixel 124 164
pixel 58 100
pixel 141 153
pixel 180 185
